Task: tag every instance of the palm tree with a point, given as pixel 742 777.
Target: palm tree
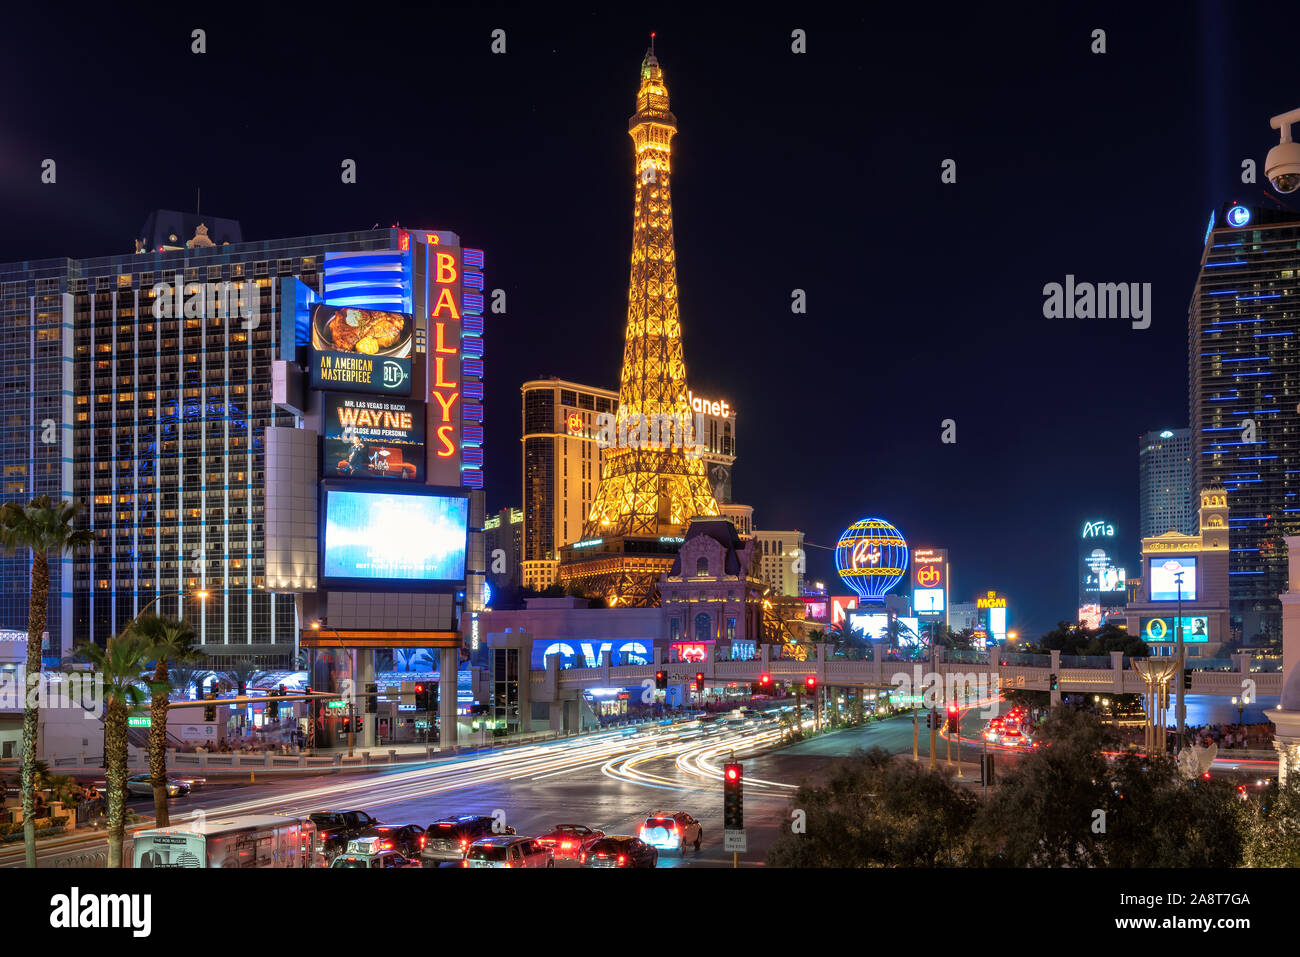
pixel 241 672
pixel 42 527
pixel 120 665
pixel 168 639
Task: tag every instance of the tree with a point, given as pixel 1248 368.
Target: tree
pixel 1272 829
pixel 876 812
pixel 167 640
pixel 1042 815
pixel 120 664
pixel 44 526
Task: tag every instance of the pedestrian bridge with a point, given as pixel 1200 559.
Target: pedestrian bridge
pixel 1109 675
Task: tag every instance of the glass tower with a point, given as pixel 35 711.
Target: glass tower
pixel 1244 373
pixel 1165 482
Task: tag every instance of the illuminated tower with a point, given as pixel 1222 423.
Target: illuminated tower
pixel 650 487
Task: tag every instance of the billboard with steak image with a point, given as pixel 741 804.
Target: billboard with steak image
pixel 373 437
pixel 361 350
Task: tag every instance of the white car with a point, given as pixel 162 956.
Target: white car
pixel 508 851
pixel 141 785
pixel 366 853
pixel 672 831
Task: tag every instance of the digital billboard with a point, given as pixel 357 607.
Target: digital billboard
pixel 928 601
pixel 909 632
pixel 873 626
pixel 1196 628
pixel 840 606
pixel 998 622
pixel 373 437
pixel 371 537
pixel 361 350
pixel 1163 584
pixel 816 609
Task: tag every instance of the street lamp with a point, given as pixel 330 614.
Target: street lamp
pixel 352 717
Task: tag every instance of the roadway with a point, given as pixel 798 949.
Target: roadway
pixel 608 780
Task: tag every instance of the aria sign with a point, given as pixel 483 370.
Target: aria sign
pixel 1099 529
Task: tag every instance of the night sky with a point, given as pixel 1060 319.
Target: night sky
pixel 818 171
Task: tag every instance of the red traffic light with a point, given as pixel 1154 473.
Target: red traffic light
pixel 732 772
pixel 765 679
pixel 699 676
pixel 810 682
pixel 419 689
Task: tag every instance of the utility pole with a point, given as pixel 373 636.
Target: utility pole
pixel 1180 710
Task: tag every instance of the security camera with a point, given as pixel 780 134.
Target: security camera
pixel 1282 167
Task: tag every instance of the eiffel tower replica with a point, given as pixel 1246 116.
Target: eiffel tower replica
pixel 647 495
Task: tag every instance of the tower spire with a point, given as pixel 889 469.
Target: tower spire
pixel 657 488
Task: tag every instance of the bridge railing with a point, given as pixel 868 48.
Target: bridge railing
pixel 1085 661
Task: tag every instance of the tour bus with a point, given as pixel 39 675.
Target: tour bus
pixel 248 840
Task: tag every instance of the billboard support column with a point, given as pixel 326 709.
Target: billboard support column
pixel 448 665
pixel 365 675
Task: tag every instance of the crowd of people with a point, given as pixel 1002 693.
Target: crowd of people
pixel 292 742
pixel 1250 737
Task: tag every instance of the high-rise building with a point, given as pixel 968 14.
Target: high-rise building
pixel 155 418
pixel 503 546
pixel 1242 329
pixel 781 560
pixel 561 461
pixel 1165 482
pixel 648 491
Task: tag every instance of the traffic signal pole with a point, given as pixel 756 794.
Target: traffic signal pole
pixel 916 731
pixel 934 732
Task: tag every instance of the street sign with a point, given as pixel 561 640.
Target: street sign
pixel 139 721
pixel 733 842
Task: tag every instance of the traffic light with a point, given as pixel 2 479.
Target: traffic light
pixel 421 697
pixel 661 680
pixel 1187 679
pixel 210 710
pixel 699 681
pixel 273 707
pixel 733 797
pixel 360 723
pixel 929 721
pixel 1051 682
pixel 372 698
pixel 954 717
pixel 810 684
pixel 243 688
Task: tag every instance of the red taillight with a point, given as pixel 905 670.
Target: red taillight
pixel 566 845
pixel 464 863
pixel 582 858
pixel 386 846
pixel 621 860
pixel 464 845
pixel 423 839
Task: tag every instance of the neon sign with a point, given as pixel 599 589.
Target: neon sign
pixel 1238 216
pixel 575 422
pixel 708 407
pixel 1098 529
pixel 692 651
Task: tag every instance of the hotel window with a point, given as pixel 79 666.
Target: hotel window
pixel 731 628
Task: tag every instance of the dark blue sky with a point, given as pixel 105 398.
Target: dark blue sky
pixel 817 171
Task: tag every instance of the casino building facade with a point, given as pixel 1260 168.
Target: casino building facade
pixel 154 411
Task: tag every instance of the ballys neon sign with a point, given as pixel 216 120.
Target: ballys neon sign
pixel 445 390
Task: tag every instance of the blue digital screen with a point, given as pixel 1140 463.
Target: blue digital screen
pixel 373 536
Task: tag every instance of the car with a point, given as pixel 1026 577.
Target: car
pixel 335 828
pixel 619 850
pixel 370 852
pixel 141 785
pixel 407 839
pixel 449 838
pixel 506 850
pixel 672 831
pixel 569 840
